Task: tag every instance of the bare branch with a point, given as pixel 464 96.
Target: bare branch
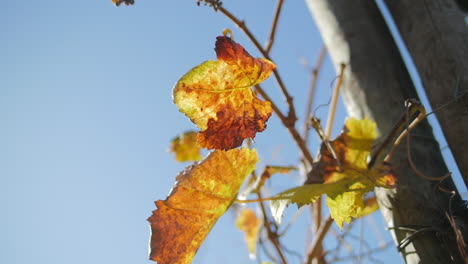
pixel 312 89
pixel 292 130
pixel 274 25
pixel 272 235
pixel 320 235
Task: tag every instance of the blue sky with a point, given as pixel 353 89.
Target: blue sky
pixel 86 116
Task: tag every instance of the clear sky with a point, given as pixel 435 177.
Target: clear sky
pixel 86 116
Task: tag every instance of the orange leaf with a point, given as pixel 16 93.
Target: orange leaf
pixel 353 148
pixel 217 96
pixel 345 182
pixel 185 147
pixel 249 223
pixel 203 192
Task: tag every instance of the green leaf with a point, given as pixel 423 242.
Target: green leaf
pixel 305 194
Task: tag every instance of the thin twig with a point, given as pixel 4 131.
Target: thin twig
pixel 267 253
pixel 332 111
pixel 291 118
pixel 274 26
pixel 293 252
pixel 291 221
pixel 315 123
pixel 412 107
pixel 364 254
pixel 320 235
pixel 312 89
pixel 292 130
pixel 341 241
pixel 288 121
pixel 461 244
pixel 317 216
pixel 377 155
pixel 272 236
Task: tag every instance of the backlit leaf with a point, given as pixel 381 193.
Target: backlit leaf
pixel 217 96
pixel 303 195
pixel 353 148
pixel 345 182
pixel 185 147
pixel 250 224
pixel 203 192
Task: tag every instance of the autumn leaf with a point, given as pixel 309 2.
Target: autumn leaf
pixel 202 193
pixel 185 147
pixel 304 195
pixel 217 96
pixel 250 224
pixel 346 182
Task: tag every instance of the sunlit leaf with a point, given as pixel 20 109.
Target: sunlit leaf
pixel 217 96
pixel 353 149
pixel 345 182
pixel 249 223
pixel 185 147
pixel 303 195
pixel 202 193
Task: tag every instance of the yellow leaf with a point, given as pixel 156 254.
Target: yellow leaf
pixel 203 192
pixel 185 147
pixel 345 206
pixel 250 224
pixel 353 148
pixel 345 185
pixel 217 96
pixel 305 194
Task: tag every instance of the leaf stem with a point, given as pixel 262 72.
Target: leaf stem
pixel 291 118
pixel 274 26
pixel 253 200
